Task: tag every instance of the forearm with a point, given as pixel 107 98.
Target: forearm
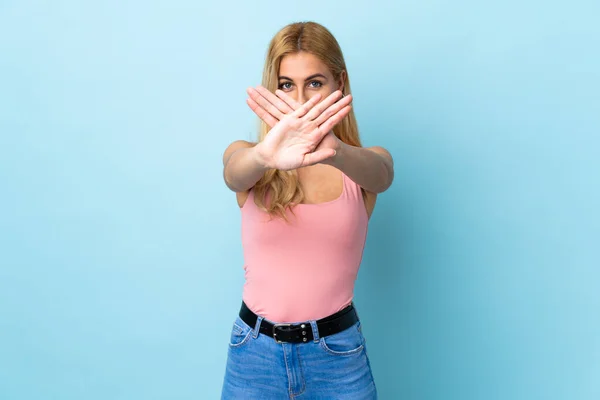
pixel 243 169
pixel 373 170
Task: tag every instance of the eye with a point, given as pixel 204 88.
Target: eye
pixel 315 84
pixel 285 85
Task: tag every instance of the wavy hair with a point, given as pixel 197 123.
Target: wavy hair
pixel 278 190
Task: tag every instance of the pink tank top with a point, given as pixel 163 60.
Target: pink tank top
pixel 304 269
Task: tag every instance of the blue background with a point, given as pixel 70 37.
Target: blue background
pixel 120 256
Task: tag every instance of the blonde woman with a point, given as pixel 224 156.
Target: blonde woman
pixel 306 191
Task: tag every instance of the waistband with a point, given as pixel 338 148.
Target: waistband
pixel 302 331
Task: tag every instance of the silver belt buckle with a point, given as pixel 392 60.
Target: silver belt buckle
pixel 275 326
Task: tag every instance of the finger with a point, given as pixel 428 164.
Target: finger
pixel 288 99
pixel 334 120
pixel 325 104
pixel 317 157
pixel 306 107
pixel 262 114
pixel 264 103
pixel 274 100
pixel 336 107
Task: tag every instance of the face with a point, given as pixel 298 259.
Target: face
pixel 302 75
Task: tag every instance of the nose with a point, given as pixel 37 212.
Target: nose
pixel 301 97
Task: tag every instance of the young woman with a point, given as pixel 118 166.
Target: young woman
pixel 306 191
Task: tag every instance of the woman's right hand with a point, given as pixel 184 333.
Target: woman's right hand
pixel 293 140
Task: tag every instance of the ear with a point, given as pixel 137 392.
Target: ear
pixel 342 81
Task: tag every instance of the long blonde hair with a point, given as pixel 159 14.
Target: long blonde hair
pixel 283 187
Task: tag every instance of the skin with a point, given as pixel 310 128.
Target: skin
pixel 302 114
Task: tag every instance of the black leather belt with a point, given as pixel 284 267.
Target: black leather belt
pixel 302 332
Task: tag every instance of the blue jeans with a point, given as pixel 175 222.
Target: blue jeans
pixel 331 367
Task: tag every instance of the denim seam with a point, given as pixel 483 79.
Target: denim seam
pixel 287 370
pixel 238 328
pixel 341 353
pixel 370 370
pixel 303 389
pixel 242 342
pixel 315 330
pixel 256 329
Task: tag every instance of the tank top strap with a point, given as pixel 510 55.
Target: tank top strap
pixel 351 189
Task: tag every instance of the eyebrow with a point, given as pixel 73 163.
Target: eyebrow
pixel 307 79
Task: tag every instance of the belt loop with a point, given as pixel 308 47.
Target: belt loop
pixel 256 329
pixel 315 330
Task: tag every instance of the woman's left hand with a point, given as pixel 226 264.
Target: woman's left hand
pixel 272 107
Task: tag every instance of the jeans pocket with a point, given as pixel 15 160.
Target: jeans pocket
pixel 240 333
pixel 347 342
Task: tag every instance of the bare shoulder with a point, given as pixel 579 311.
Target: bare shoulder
pixel 382 151
pixel 371 197
pixel 235 146
pixel 241 197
